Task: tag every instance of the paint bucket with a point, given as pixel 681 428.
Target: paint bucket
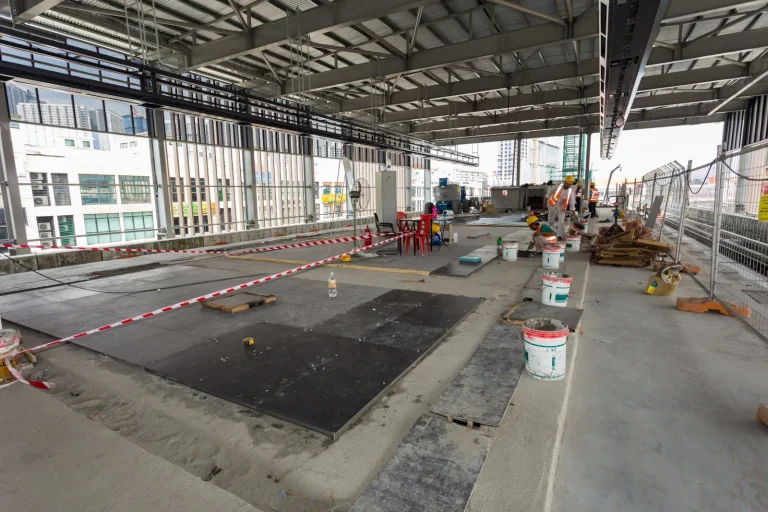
pixel 455 238
pixel 550 257
pixel 509 251
pixel 562 251
pixel 545 344
pixel 573 243
pixel 555 289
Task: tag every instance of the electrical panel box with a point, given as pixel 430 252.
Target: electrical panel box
pixel 386 196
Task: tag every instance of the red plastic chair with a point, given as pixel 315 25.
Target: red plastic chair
pixel 423 234
pixel 403 227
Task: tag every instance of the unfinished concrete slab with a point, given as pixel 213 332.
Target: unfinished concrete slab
pixel 482 390
pixel 533 309
pixel 50 446
pixel 455 268
pixel 432 470
pixel 662 408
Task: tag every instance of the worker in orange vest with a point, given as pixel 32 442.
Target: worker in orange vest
pixel 594 195
pixel 562 200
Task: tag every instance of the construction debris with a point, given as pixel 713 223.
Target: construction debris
pixel 704 304
pixel 630 247
pixel 237 302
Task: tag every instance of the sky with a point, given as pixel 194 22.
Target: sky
pixel 638 151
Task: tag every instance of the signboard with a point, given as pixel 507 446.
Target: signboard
pixel 195 209
pixel 762 210
pixel 334 198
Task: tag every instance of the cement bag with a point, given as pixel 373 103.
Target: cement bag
pixel 665 281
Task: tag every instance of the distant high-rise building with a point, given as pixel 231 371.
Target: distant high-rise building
pixel 539 161
pixel 116 123
pixel 17 95
pixel 139 124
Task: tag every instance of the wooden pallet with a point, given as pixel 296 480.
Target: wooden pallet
pixel 238 301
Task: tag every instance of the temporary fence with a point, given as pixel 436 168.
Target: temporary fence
pixel 716 217
pixel 185 303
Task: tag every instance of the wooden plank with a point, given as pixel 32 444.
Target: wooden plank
pixel 478 235
pixel 238 301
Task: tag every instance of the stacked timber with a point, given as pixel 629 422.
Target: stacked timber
pixel 625 250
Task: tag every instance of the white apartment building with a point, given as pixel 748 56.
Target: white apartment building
pixel 474 180
pixel 114 199
pixel 539 160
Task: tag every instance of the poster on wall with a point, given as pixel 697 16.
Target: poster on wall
pixel 762 211
pixel 195 209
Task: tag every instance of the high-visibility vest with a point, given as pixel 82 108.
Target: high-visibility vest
pixel 554 198
pixel 594 195
pixel 578 192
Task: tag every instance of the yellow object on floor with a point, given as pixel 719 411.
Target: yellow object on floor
pixel 346 258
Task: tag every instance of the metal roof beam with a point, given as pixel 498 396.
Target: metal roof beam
pixel 580 128
pixel 647 102
pixel 25 10
pixel 540 36
pixel 591 121
pixel 317 20
pixel 681 9
pixel 648 83
pixel 515 6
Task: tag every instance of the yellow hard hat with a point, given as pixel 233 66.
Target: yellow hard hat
pixel 569 179
pixel 532 219
pixel 591 183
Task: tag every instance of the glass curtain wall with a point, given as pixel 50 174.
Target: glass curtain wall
pixel 280 181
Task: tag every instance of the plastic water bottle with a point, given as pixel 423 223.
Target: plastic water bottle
pixel 332 286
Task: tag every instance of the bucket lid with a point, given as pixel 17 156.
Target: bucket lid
pixel 573 237
pixel 551 248
pixel 545 328
pixel 557 278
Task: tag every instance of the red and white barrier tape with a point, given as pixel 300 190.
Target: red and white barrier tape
pixel 194 251
pixel 39 384
pixel 179 305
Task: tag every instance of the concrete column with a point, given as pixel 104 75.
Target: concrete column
pixel 249 170
pixel 9 181
pixel 309 180
pixel 587 178
pixel 160 181
pixel 427 181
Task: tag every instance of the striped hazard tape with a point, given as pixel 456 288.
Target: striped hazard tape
pixel 179 305
pixel 196 251
pixel 39 384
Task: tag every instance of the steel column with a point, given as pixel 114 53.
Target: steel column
pixel 717 220
pixel 518 143
pixel 249 172
pixel 160 180
pixel 683 205
pixel 310 214
pixel 9 181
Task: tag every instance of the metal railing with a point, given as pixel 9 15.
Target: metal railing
pixel 716 217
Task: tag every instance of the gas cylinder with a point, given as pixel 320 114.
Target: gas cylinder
pixel 367 233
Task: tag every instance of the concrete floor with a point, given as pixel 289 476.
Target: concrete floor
pixel 262 457
pixel 662 407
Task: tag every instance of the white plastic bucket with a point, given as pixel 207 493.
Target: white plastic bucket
pixel 545 345
pixel 555 289
pixel 509 251
pixel 562 251
pixel 550 257
pixel 455 238
pixel 573 243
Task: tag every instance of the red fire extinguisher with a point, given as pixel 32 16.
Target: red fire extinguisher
pixel 368 239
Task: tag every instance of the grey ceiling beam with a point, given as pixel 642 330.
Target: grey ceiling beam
pixel 324 18
pixel 681 9
pixel 482 85
pixel 25 10
pixel 693 110
pixel 516 6
pixel 591 92
pixel 646 102
pixel 710 47
pixel 584 128
pixel 540 36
